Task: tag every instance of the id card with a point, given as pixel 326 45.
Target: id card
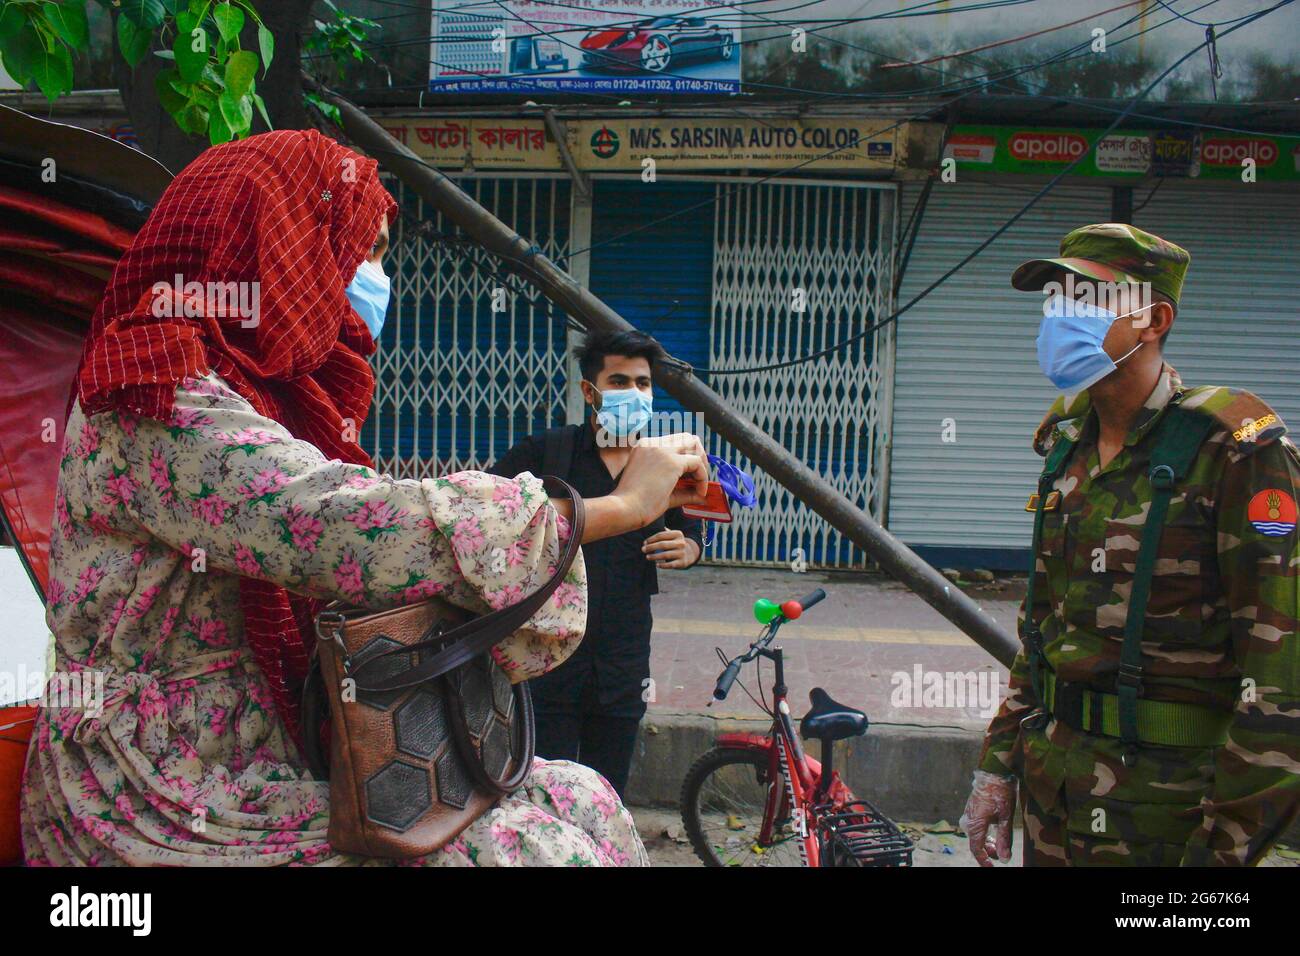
pixel 716 507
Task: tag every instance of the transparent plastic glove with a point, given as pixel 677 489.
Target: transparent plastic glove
pixel 988 815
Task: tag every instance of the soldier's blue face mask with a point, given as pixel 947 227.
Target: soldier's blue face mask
pixel 368 292
pixel 1070 351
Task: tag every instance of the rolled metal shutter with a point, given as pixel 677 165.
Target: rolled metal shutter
pixel 1238 318
pixel 966 353
pixel 659 277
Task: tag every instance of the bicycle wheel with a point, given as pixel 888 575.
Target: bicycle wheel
pixel 723 797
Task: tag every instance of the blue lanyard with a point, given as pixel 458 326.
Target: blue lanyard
pixel 739 487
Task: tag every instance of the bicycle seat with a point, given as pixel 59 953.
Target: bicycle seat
pixel 830 720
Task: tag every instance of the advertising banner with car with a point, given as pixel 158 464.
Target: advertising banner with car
pixel 585 46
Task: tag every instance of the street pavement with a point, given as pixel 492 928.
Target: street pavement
pixel 936 844
pixel 857 644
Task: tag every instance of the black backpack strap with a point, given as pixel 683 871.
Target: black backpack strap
pixel 557 450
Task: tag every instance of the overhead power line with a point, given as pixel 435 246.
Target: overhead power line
pixel 1034 200
pixel 1128 110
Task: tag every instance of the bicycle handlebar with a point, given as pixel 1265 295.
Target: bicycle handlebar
pixel 812 598
pixel 727 679
pixel 788 613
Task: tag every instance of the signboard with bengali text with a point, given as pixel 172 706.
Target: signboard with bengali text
pixel 676 145
pixel 1131 154
pixel 729 143
pixel 481 143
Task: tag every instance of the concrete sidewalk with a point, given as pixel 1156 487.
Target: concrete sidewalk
pixel 867 644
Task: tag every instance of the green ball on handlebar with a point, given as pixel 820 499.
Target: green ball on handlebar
pixel 765 610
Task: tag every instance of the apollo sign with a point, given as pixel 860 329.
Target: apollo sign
pixel 1047 147
pixel 1223 151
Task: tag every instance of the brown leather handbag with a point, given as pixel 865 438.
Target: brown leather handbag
pixel 432 733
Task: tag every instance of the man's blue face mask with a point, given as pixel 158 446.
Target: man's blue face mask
pixel 624 411
pixel 368 292
pixel 1070 351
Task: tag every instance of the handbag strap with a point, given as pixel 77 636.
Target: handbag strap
pixel 473 760
pixel 463 643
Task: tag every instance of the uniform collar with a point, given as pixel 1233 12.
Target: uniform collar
pixel 1070 414
pixel 1168 387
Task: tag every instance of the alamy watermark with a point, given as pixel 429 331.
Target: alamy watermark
pixel 920 688
pixel 1082 295
pixel 83 690
pixel 76 908
pixel 661 425
pixel 181 299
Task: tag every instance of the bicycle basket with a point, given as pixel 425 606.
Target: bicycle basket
pixel 857 834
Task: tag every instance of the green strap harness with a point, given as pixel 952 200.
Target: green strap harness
pixel 1125 714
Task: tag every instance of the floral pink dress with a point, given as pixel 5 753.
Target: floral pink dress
pixel 184 762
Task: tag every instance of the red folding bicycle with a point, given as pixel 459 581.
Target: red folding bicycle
pixel 759 800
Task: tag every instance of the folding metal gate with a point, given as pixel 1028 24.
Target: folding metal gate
pixel 798 267
pixel 459 382
pixel 464 368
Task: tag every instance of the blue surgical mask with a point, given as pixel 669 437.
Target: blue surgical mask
pixel 1070 340
pixel 368 292
pixel 624 411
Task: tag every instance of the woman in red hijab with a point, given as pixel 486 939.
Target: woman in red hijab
pixel 212 494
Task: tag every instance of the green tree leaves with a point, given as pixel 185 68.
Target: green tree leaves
pixel 33 53
pixel 210 86
pixel 133 40
pixel 51 68
pixel 146 14
pixel 265 43
pixel 325 106
pixel 211 89
pixel 341 37
pixel 68 20
pixel 190 47
pixel 229 19
pixel 241 70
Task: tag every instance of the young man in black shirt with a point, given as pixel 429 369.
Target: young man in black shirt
pixel 589 707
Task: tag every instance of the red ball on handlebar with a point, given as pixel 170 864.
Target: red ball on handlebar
pixel 791 610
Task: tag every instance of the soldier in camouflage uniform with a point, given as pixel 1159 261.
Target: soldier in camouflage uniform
pixel 1207 772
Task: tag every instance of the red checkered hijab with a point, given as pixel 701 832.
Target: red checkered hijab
pixel 297 213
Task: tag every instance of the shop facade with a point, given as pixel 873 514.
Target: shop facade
pixel 727 271
pixel 925 423
pixel 968 393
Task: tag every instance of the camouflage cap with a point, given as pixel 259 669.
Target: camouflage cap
pixel 1111 252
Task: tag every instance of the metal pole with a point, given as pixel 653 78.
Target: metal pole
pixel 581 182
pixel 891 554
pixel 580 211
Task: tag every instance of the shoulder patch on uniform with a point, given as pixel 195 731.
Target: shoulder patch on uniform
pixel 1247 418
pixel 1272 512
